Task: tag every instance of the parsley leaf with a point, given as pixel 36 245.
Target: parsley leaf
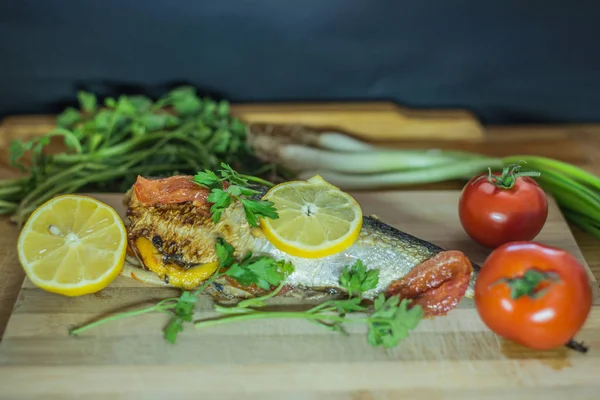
pixel 357 280
pixel 392 320
pixel 87 101
pixel 224 253
pixel 221 200
pixel 185 306
pixel 264 272
pixel 237 190
pixel 262 208
pixel 232 176
pixel 208 179
pixel 68 118
pixel 173 329
pixel 183 312
pixel 349 305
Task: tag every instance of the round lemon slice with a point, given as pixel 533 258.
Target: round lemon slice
pixel 316 219
pixel 73 245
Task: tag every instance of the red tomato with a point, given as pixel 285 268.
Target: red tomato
pixel 535 295
pixel 502 208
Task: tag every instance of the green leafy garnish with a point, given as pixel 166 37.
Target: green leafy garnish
pixel 110 141
pixel 387 326
pixel 237 189
pixel 390 322
pixel 87 101
pixel 224 252
pixel 184 312
pixel 263 271
pixel 357 280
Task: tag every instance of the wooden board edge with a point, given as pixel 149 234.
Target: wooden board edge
pixel 374 121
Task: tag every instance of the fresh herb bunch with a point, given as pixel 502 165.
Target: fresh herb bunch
pixel 390 322
pixel 107 147
pixel 237 190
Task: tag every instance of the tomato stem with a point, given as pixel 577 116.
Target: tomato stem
pixel 577 346
pixel 509 176
pixel 528 284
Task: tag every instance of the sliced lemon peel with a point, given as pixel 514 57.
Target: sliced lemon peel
pixel 316 219
pixel 73 245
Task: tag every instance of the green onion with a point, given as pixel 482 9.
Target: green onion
pixel 387 180
pixel 585 223
pixel 576 191
pixel 298 157
pixel 339 142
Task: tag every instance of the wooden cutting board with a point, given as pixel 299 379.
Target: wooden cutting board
pixel 447 357
pixel 372 121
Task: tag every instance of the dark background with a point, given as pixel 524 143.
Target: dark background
pixel 509 61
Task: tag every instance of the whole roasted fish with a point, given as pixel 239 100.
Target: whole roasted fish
pixel 172 242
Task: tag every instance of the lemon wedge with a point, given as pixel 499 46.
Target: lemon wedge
pixel 73 245
pixel 316 219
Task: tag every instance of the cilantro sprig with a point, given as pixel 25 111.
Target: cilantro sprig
pixel 237 189
pixel 388 324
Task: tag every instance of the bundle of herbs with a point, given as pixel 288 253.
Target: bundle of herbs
pixel 108 146
pixel 182 133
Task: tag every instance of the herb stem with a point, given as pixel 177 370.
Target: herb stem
pixel 111 152
pixel 8 190
pixel 272 314
pixel 206 283
pixel 322 306
pixel 45 186
pixel 577 346
pixel 70 185
pixel 7 207
pixel 69 138
pixel 163 305
pixel 257 180
pixel 4 183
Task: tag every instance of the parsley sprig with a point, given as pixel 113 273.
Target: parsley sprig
pixel 356 279
pixel 388 324
pixel 263 271
pixel 237 189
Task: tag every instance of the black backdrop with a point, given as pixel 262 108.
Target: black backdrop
pixel 509 61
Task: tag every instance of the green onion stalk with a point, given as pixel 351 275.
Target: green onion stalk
pixel 108 145
pixel 352 164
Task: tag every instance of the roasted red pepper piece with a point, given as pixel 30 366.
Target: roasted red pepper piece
pixel 437 284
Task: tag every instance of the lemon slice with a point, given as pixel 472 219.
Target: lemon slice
pixel 73 245
pixel 316 219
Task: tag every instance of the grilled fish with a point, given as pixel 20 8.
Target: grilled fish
pixel 172 240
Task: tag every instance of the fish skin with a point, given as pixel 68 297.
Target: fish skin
pixel 179 226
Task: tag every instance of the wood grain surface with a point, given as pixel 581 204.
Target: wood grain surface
pixel 482 366
pixel 454 356
pixel 578 144
pixel 372 121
